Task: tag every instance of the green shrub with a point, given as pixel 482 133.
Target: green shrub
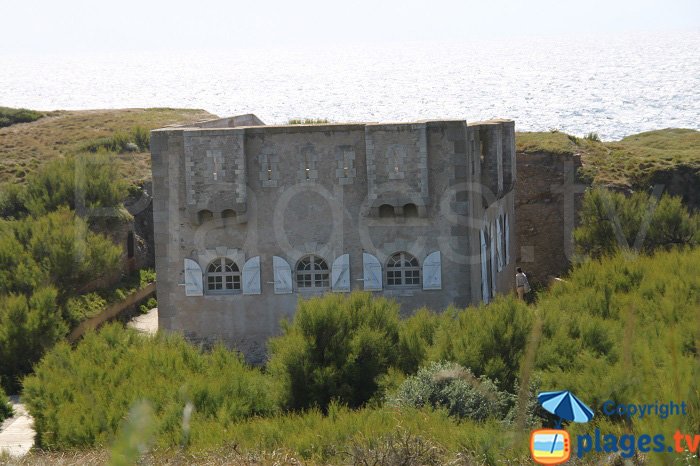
pixel 625 328
pixel 592 137
pixel 416 336
pixel 335 349
pixel 489 340
pixel 79 397
pixel 11 201
pixel 142 138
pixel 88 184
pixel 28 327
pixel 66 249
pixel 79 308
pixel 119 142
pixel 5 408
pixel 150 304
pixel 146 276
pixel 44 261
pixel 611 222
pixel 449 385
pixel 10 116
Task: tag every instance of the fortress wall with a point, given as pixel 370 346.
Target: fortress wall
pixel 312 190
pixel 548 201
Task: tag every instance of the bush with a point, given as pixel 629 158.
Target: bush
pixel 416 336
pixel 43 262
pixel 489 340
pixel 146 276
pixel 120 142
pixel 66 250
pixel 449 385
pixel 150 304
pixel 11 201
pixel 625 328
pixel 88 184
pixel 335 349
pixel 611 222
pixel 28 327
pixel 5 408
pixel 79 397
pixel 10 116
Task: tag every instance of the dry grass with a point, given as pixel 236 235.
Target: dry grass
pixel 631 161
pixel 26 146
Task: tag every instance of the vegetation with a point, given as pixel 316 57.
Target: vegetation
pixel 335 349
pixel 618 329
pixel 10 116
pixel 138 139
pixel 25 148
pixel 308 121
pixel 449 385
pixel 612 221
pixel 43 262
pixel 80 397
pixel 634 161
pixel 49 254
pixel 5 408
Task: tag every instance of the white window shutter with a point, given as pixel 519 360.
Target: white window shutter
pixel 372 272
pixel 507 222
pixel 340 273
pixel 193 279
pixel 432 273
pixel 484 272
pixel 282 274
pixel 251 276
pixel 499 243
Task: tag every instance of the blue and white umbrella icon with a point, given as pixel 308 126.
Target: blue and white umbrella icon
pixel 565 405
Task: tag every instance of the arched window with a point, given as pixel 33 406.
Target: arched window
pixel 223 276
pixel 402 270
pixel 312 273
pixel 410 211
pixel 204 216
pixel 386 211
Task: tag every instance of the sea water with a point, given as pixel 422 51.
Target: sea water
pixel 613 85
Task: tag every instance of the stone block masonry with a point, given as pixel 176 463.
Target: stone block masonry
pixel 248 219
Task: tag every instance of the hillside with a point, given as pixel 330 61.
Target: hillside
pixel 26 146
pixel 633 162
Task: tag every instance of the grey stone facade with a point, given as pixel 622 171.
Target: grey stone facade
pixel 248 219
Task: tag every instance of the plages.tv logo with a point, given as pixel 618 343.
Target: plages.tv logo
pixel 553 446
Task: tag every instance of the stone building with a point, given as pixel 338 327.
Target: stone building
pixel 249 218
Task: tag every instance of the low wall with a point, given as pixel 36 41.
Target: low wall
pixel 112 311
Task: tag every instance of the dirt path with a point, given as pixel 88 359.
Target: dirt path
pixel 147 323
pixel 17 433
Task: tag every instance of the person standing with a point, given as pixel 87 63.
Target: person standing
pixel 521 284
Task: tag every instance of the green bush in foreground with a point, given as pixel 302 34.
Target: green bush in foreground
pixel 79 397
pixel 28 328
pixel 335 349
